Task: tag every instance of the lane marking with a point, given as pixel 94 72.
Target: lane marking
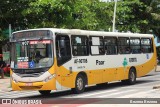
pixel 111 94
pixel 134 95
pixel 92 94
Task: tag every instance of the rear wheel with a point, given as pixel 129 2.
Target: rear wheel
pixel 131 77
pixel 44 92
pixel 79 84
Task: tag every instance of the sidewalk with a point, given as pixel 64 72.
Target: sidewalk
pixel 158 68
pixel 158 85
pixel 5 84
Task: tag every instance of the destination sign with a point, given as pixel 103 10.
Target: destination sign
pixel 31 34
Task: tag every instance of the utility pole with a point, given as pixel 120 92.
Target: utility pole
pixel 114 16
pixel 10 31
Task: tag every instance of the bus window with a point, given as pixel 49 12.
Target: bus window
pixel 97 45
pixel 123 45
pixel 146 46
pixel 80 45
pixel 135 45
pixel 110 45
pixel 63 50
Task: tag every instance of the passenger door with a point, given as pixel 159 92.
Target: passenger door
pixel 63 54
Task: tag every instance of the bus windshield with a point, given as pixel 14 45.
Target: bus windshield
pixel 31 54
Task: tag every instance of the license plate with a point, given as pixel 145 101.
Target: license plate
pixel 28 84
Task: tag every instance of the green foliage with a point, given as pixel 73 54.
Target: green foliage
pixel 62 14
pixel 131 16
pixel 10 13
pixel 153 9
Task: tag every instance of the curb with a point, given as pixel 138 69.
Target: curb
pixel 156 87
pixel 6 90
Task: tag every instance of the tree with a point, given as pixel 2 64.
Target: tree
pixel 153 10
pixel 131 16
pixel 11 13
pixel 62 14
pixel 138 16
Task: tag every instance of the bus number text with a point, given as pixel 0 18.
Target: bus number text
pixel 132 59
pixel 80 61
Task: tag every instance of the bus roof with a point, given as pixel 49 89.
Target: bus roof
pixel 92 33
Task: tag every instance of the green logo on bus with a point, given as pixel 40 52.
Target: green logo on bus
pixel 125 63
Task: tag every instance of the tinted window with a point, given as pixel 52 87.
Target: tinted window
pixel 146 46
pixel 135 45
pixel 63 50
pixel 79 45
pixel 97 45
pixel 110 45
pixel 123 45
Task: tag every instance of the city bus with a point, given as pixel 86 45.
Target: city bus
pixel 49 59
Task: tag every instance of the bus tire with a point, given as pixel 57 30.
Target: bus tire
pixel 44 92
pixel 79 84
pixel 131 76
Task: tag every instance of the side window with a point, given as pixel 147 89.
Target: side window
pixel 96 45
pixel 135 45
pixel 80 45
pixel 63 50
pixel 146 46
pixel 110 45
pixel 152 49
pixel 123 45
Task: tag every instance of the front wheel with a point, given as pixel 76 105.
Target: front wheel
pixel 44 92
pixel 79 84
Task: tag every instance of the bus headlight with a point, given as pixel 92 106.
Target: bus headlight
pixel 14 79
pixel 49 77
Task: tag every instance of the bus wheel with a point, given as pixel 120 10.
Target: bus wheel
pixel 79 84
pixel 44 92
pixel 132 76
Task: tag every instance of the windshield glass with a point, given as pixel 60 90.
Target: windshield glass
pixel 31 54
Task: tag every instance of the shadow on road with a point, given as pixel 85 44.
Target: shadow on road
pixel 87 90
pixel 149 75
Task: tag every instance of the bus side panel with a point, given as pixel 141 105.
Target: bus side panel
pixel 65 78
pixel 109 74
pixel 147 67
pixel 90 77
pixel 121 73
pixel 97 76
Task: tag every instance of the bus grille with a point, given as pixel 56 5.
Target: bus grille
pixel 30 75
pixel 30 72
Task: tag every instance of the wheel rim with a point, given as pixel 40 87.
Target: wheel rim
pixel 132 76
pixel 79 83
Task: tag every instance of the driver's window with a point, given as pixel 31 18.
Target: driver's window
pixel 63 50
